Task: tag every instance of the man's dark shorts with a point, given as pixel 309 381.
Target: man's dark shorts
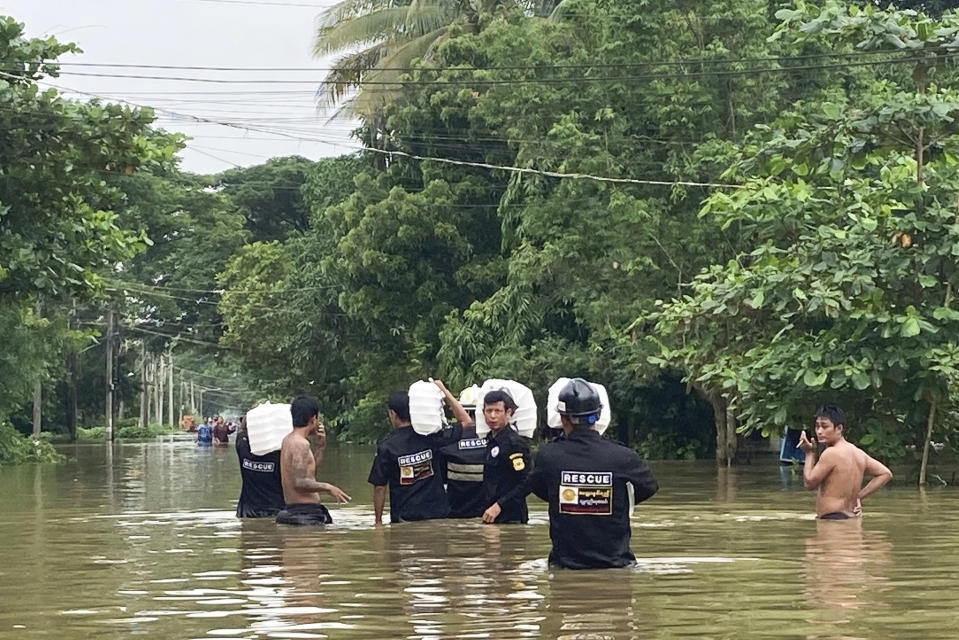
pixel 304 514
pixel 835 515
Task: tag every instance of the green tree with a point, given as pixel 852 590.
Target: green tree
pixel 849 204
pixel 389 36
pixel 61 212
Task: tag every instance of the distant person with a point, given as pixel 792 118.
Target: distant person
pixel 298 468
pixel 464 465
pixel 585 478
pixel 261 495
pixel 506 463
pixel 838 473
pixel 221 433
pixel 204 434
pixel 409 464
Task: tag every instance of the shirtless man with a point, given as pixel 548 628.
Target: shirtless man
pixel 838 473
pixel 298 468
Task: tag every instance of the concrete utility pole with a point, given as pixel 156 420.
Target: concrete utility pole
pixel 173 418
pixel 159 375
pixel 37 394
pixel 109 377
pixel 144 395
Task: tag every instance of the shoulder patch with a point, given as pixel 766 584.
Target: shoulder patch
pixel 518 463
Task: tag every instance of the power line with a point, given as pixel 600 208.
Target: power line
pixel 526 170
pixel 520 81
pixel 180 338
pixel 268 4
pixel 524 67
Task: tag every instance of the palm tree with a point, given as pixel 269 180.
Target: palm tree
pixel 380 38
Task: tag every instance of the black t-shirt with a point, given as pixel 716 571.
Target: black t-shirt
pixel 262 492
pixel 412 465
pixel 464 475
pixel 505 470
pixel 584 479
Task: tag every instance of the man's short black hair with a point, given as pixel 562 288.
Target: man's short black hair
pixel 832 413
pixel 303 408
pixel 399 402
pixel 500 395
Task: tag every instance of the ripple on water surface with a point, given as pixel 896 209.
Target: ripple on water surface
pixel 149 546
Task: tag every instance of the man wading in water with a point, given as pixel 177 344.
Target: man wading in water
pixel 838 473
pixel 298 468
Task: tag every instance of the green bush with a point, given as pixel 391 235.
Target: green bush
pixel 17 449
pixel 127 429
pixel 152 430
pixel 93 433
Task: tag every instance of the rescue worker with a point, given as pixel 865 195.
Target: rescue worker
pixel 464 465
pixel 506 463
pixel 411 465
pixel 585 480
pixel 261 495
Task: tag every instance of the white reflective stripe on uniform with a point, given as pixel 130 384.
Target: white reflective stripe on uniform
pixel 465 468
pixel 465 472
pixel 465 477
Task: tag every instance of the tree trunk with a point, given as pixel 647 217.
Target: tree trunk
pixel 725 424
pixel 71 397
pixel 37 408
pixel 732 441
pixel 925 449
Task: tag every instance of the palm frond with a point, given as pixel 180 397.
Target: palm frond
pixel 558 11
pixel 347 9
pixel 361 30
pixel 389 69
pixel 347 72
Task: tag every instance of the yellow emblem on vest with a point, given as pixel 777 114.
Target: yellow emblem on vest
pixel 518 464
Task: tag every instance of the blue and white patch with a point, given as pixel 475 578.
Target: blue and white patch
pixel 263 467
pixel 471 443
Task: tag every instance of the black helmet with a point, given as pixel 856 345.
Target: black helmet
pixel 579 402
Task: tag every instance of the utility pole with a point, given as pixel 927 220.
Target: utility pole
pixel 71 391
pixel 159 375
pixel 173 419
pixel 37 393
pixel 109 377
pixel 144 395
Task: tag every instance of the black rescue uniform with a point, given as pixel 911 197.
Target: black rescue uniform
pixel 262 493
pixel 584 479
pixel 412 465
pixel 464 475
pixel 505 475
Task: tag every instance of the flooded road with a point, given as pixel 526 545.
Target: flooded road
pixel 141 540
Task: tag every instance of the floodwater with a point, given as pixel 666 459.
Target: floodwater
pixel 140 539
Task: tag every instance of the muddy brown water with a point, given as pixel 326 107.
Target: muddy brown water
pixel 140 539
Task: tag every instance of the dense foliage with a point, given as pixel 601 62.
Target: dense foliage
pixel 727 212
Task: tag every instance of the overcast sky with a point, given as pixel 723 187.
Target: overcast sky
pixel 271 113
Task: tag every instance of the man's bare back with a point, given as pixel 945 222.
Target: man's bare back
pixel 298 466
pixel 839 471
pixel 296 461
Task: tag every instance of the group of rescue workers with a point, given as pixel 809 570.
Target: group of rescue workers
pixel 590 483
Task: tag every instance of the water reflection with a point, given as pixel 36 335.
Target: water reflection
pixel 592 604
pixel 141 539
pixel 845 570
